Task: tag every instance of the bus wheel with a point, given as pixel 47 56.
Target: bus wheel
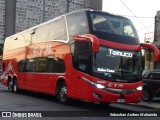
pixel 10 85
pixel 15 86
pixel 62 93
pixel 146 95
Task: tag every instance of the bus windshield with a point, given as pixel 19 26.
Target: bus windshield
pixel 114 28
pixel 117 65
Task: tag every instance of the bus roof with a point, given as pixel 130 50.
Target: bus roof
pixel 74 12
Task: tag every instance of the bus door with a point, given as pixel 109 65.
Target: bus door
pixel 84 67
pixel 81 57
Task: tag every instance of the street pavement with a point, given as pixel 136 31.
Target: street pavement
pixel 154 104
pixel 29 101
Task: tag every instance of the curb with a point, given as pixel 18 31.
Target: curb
pixel 151 105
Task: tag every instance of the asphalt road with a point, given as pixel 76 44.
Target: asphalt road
pixel 29 101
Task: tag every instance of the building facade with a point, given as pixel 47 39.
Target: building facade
pixel 2 16
pixel 29 13
pixel 149 54
pixel 157 28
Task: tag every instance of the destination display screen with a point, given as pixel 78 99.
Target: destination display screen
pixel 117 64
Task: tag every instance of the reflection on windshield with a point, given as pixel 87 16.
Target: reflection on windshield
pixel 113 24
pixel 117 65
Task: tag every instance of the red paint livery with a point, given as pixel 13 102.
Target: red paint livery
pixel 101 63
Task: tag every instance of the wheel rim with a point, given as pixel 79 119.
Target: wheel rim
pixel 145 95
pixel 63 93
pixel 10 85
pixel 15 87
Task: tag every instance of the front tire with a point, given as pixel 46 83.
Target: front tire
pixel 146 95
pixel 62 93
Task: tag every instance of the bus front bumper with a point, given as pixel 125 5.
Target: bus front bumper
pixel 101 95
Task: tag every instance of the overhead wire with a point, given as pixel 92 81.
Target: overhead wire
pixel 134 15
pixel 137 17
pixel 121 15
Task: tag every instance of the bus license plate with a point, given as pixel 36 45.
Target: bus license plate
pixel 121 100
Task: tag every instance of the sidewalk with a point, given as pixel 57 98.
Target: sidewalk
pixel 155 104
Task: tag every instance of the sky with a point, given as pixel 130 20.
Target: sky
pixel 144 10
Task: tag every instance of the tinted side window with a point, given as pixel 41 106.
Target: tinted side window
pixel 41 65
pixel 22 66
pixel 59 66
pixel 56 65
pixel 79 46
pixel 31 65
pixel 84 61
pixel 145 76
pixel 47 65
pixel 155 76
pixel 81 56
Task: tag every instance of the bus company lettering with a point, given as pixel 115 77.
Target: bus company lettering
pixel 115 85
pixel 119 53
pixel 39 51
pixel 105 70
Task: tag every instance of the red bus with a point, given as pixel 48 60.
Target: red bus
pixel 86 55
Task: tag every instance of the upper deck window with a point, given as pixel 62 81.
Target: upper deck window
pixel 77 24
pixel 113 24
pixel 58 30
pixel 42 34
pixel 113 28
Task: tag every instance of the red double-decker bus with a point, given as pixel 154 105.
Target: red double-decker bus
pixel 86 55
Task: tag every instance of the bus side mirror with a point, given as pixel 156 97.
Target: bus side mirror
pixel 89 38
pixel 154 48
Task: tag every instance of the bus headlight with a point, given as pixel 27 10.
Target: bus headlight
pixel 99 86
pixel 139 88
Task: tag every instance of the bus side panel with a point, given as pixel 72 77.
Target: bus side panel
pixel 10 60
pixel 44 81
pixel 69 79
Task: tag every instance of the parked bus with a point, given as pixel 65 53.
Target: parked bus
pixel 86 55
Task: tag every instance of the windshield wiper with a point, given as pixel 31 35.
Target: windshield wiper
pixel 128 72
